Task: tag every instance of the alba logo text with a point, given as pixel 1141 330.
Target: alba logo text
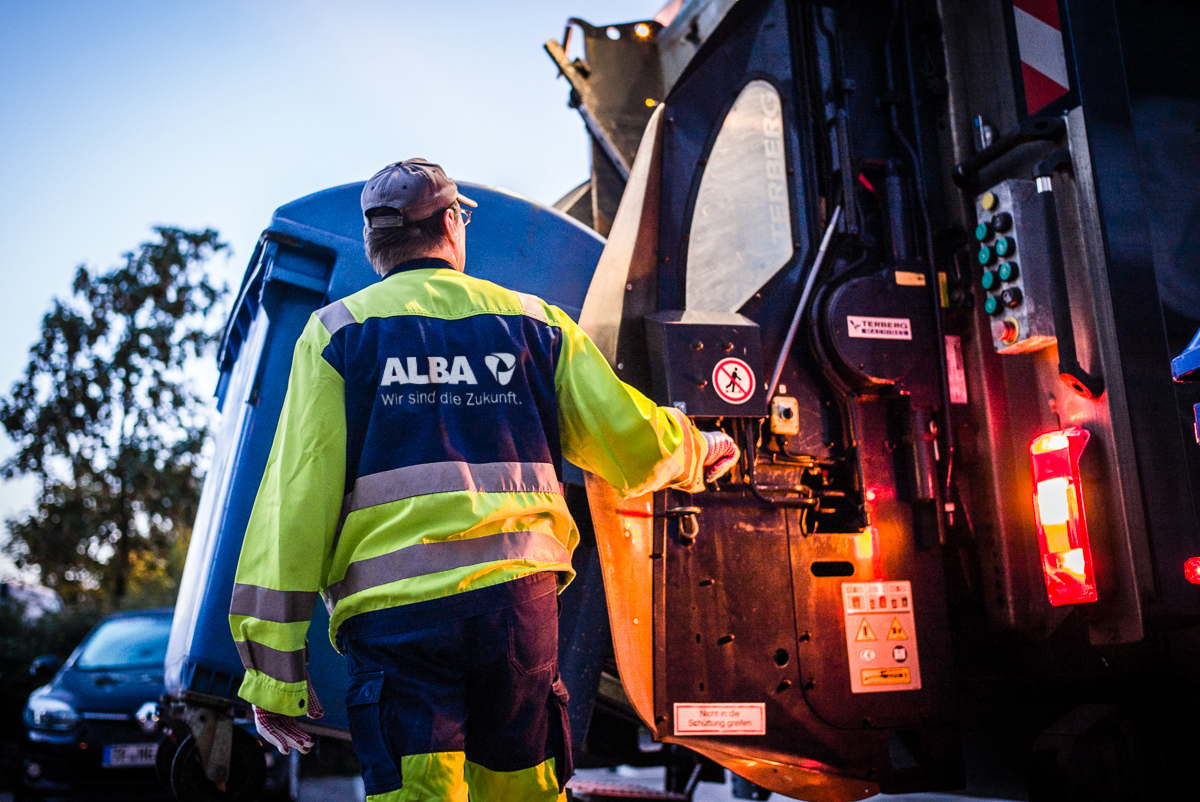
pixel 441 371
pixel 501 366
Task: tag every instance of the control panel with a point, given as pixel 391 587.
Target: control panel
pixel 707 364
pixel 1013 261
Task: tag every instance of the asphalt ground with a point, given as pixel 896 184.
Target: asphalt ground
pixel 348 789
pixel 715 792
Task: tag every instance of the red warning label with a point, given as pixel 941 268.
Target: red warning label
pixel 733 380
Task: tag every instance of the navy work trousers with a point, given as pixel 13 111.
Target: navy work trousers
pixel 461 696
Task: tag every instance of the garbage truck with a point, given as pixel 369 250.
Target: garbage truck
pixel 934 265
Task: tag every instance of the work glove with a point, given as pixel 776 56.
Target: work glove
pixel 721 456
pixel 282 731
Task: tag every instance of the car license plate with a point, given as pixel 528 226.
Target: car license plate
pixel 129 755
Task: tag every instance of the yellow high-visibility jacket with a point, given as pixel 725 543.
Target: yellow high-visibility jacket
pixel 419 454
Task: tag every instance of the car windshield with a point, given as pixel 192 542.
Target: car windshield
pixel 127 643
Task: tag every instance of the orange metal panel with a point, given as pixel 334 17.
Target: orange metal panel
pixel 624 528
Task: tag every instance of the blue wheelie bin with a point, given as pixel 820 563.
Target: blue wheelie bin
pixel 310 255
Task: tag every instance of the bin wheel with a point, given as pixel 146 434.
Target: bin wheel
pixel 247 771
pixel 163 758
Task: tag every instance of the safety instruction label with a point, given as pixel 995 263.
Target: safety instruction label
pixel 721 719
pixel 910 278
pixel 733 380
pixel 881 636
pixel 879 328
pixel 956 374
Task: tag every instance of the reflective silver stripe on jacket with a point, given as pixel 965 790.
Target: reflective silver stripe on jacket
pixel 282 666
pixel 335 316
pixel 445 555
pixel 531 305
pixel 447 477
pixel 265 604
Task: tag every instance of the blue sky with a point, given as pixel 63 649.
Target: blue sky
pixel 115 116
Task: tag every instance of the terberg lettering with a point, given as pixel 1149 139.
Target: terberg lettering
pixel 459 372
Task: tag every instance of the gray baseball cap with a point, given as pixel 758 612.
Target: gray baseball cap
pixel 406 192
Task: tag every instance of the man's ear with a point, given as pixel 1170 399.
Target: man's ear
pixel 448 221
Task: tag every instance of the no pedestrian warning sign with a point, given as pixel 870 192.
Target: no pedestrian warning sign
pixel 733 380
pixel 881 636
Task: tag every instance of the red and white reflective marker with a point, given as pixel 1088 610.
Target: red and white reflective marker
pixel 733 380
pixel 1043 57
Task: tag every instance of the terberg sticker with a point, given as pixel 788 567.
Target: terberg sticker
pixel 879 328
pixel 721 719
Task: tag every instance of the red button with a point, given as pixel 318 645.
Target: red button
pixel 1005 330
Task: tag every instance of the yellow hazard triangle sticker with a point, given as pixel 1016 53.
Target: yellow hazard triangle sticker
pixel 865 632
pixel 896 632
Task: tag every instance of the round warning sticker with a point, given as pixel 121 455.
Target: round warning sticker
pixel 733 380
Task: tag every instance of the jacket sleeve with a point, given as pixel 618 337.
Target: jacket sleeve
pixel 289 539
pixel 612 430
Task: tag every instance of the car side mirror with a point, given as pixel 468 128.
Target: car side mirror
pixel 45 666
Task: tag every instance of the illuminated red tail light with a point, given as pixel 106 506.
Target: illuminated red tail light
pixel 1059 514
pixel 1191 570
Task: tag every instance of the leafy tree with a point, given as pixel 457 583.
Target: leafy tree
pixel 106 418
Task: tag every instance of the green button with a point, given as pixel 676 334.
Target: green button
pixel 1005 246
pixel 991 305
pixel 985 255
pixel 983 231
pixel 989 279
pixel 1008 271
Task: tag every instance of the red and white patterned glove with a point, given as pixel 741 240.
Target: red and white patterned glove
pixel 282 731
pixel 721 456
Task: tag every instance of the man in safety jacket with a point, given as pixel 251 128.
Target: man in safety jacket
pixel 415 482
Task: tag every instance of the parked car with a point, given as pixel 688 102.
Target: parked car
pixel 91 733
pixel 82 734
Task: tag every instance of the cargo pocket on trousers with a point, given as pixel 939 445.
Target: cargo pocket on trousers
pixel 532 635
pixel 560 726
pixel 379 771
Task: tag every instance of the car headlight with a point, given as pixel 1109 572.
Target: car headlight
pixel 48 713
pixel 147 716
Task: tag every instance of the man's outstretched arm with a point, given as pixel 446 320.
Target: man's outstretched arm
pixel 612 430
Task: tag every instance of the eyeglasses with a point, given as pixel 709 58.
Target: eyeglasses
pixel 464 215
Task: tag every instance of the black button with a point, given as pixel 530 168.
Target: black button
pixel 1011 297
